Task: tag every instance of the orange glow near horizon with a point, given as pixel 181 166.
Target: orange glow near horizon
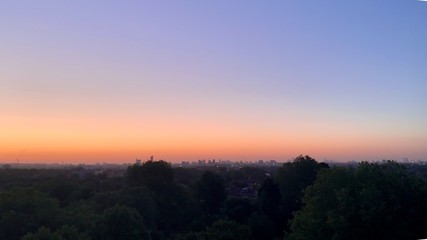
pixel 85 140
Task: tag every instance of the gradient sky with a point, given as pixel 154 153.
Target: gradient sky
pixel 110 81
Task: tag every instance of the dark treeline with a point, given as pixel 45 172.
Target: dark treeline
pixel 303 199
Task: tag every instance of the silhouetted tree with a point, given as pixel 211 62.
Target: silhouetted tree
pixel 62 191
pixel 120 223
pixel 293 177
pixel 141 199
pixel 66 232
pixel 81 215
pixel 269 198
pixel 261 227
pixel 152 174
pixel 175 210
pixel 210 191
pixel 239 209
pixel 43 233
pixel 370 202
pixel 227 230
pixel 24 210
pixel 172 201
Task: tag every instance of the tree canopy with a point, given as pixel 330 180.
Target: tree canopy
pixel 210 191
pixel 372 201
pixel 302 199
pixel 293 178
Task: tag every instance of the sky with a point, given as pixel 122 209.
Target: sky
pixel 114 81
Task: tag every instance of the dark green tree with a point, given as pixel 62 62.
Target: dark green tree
pixel 269 198
pixel 210 192
pixel 293 177
pixel 120 223
pixel 81 214
pixel 24 210
pixel 239 209
pixel 152 174
pixel 66 232
pixel 262 227
pixel 63 190
pixel 373 201
pixel 142 199
pixel 192 236
pixel 227 230
pixel 42 233
pixel 173 209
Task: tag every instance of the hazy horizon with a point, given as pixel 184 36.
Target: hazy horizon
pixel 103 81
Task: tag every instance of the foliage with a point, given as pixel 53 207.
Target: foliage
pixel 210 191
pixel 152 174
pixel 171 202
pixel 239 209
pixel 269 198
pixel 24 210
pixel 141 199
pixel 81 214
pixel 370 202
pixel 261 227
pixel 42 233
pixel 227 230
pixel 293 178
pixel 120 223
pixel 66 232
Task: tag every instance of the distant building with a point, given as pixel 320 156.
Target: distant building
pixel 185 164
pixel 273 162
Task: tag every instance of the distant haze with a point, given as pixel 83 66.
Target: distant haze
pixel 112 81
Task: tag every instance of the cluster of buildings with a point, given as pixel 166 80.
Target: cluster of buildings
pixel 227 163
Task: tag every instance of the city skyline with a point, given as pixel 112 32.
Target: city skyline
pixel 103 81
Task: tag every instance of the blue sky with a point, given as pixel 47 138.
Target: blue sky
pixel 352 70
